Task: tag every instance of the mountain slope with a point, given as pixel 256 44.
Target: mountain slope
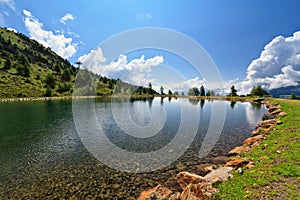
pixel 28 69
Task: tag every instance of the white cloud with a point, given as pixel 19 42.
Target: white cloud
pixel 278 65
pixel 67 17
pixel 2 20
pixel 9 3
pixel 12 29
pixel 187 84
pixel 136 71
pixel 4 12
pixel 143 17
pixel 59 43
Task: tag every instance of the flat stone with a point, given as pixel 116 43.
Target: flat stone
pixel 276 112
pixel 282 114
pixel 237 162
pixel 220 174
pixel 252 140
pixel 239 150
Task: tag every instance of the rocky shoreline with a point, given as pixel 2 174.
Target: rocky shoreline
pixel 198 187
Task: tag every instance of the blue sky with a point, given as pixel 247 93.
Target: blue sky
pixel 233 32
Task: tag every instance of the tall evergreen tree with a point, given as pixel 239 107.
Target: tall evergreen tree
pixel 202 91
pixel 162 90
pixel 233 91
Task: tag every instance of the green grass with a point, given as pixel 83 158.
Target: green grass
pixel 277 163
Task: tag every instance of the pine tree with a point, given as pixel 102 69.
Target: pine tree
pixel 162 90
pixel 7 64
pixel 50 81
pixel 202 91
pixel 233 91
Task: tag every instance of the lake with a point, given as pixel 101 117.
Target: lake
pixel 54 149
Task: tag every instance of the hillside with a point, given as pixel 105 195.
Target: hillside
pixel 28 69
pixel 286 91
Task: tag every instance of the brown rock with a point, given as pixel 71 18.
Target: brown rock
pixel 267 123
pixel 257 131
pixel 253 139
pixel 210 168
pixel 175 196
pixel 273 108
pixel 250 165
pixel 159 192
pixel 255 144
pixel 203 167
pixel 239 150
pixel 219 160
pixel 186 178
pixel 263 158
pixel 237 162
pixel 192 192
pixel 276 112
pixel 282 114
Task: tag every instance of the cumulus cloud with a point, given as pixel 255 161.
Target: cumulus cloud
pixel 278 65
pixel 59 43
pixel 12 29
pixel 67 17
pixel 136 71
pixel 187 84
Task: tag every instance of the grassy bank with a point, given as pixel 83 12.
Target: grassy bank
pixel 276 174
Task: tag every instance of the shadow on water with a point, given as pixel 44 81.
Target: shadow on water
pixel 194 101
pixel 232 104
pixel 202 102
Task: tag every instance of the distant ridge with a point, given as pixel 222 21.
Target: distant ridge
pixel 286 91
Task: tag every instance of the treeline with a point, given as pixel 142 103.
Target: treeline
pixel 256 91
pixel 90 84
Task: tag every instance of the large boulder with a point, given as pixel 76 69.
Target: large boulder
pixel 219 175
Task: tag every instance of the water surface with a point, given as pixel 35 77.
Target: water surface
pixel 42 155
